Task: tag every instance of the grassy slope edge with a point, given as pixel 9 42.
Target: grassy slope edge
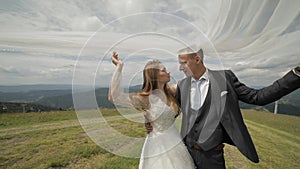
pixel 56 140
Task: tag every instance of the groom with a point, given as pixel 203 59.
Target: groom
pixel 209 102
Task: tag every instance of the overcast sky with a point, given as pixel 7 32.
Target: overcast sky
pixel 65 41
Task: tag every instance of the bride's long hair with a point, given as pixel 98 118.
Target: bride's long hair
pixel 150 83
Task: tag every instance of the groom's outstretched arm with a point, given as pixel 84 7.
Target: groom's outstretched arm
pixel 281 87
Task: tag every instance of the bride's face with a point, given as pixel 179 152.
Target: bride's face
pixel 163 75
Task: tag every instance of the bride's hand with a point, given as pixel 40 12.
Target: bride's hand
pixel 115 59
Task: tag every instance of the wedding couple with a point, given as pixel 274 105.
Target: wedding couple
pixel 209 102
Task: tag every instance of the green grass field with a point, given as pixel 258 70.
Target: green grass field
pixel 56 140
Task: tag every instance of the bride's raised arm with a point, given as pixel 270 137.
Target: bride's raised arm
pixel 117 96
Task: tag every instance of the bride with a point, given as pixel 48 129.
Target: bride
pixel 163 148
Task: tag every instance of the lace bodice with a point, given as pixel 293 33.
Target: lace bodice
pixel 162 115
pixel 163 147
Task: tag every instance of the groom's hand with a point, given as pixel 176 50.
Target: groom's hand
pixel 297 69
pixel 148 127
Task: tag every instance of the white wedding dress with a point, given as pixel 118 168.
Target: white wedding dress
pixel 163 147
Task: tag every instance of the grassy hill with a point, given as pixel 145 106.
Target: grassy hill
pixel 56 140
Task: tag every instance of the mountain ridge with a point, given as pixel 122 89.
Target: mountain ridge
pixel 62 98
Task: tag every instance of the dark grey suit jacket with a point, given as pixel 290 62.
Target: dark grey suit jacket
pixel 226 91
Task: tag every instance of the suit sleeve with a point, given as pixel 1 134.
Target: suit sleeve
pixel 281 87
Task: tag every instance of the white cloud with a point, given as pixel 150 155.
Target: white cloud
pixel 39 39
pixel 86 23
pixel 56 15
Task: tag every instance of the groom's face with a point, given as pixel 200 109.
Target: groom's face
pixel 186 64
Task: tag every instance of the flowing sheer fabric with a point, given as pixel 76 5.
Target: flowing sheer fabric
pixel 259 34
pixel 118 97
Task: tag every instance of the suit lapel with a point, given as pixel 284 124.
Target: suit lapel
pixel 186 86
pixel 216 107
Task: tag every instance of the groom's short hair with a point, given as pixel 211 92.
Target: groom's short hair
pixel 191 50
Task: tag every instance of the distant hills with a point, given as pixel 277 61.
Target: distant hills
pixel 59 97
pixel 8 107
pixel 47 97
pixel 34 87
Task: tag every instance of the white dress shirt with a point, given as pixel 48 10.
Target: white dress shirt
pixel 204 85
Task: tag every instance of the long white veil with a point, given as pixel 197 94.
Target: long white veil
pixel 262 34
pixel 245 25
